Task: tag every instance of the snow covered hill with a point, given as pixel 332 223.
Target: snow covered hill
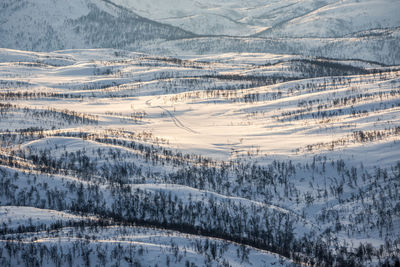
pixel 366 30
pixel 51 25
pixel 247 159
pixel 289 18
pixel 380 46
pixel 339 19
pixel 199 133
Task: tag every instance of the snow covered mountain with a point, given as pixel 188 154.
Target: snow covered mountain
pixel 340 19
pixel 367 30
pixel 46 25
pixel 289 18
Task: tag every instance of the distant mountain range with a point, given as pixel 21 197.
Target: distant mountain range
pixel 289 18
pixel 367 29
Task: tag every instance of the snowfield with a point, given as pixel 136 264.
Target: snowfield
pixel 199 133
pixel 234 159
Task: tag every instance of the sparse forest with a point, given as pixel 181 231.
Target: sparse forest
pixel 96 169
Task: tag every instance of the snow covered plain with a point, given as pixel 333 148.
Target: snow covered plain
pixel 230 159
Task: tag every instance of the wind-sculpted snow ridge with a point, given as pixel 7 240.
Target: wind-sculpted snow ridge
pixel 114 157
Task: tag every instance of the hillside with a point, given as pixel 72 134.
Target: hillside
pixel 290 18
pixel 116 157
pixel 378 46
pixel 365 30
pixel 199 133
pixel 52 25
pixel 340 19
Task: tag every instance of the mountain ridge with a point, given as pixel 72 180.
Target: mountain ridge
pixel 45 26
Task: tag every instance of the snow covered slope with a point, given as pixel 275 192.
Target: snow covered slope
pixel 241 18
pixel 342 18
pixel 50 25
pixel 366 30
pixel 199 133
pixel 131 246
pixel 290 18
pixel 378 46
pixel 17 217
pixel 228 159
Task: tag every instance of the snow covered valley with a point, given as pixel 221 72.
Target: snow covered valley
pixel 117 158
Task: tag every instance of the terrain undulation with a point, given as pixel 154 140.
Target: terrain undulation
pixel 199 133
pixel 116 157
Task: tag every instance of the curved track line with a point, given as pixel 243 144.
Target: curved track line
pixel 177 122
